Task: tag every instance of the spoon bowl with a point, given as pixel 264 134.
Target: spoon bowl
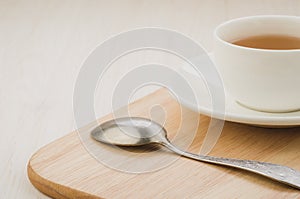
pixel 133 131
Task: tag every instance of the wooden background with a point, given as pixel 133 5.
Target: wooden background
pixel 43 44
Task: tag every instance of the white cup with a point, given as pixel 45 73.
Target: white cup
pixel 260 79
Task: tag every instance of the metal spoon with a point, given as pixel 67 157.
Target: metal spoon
pixel 134 131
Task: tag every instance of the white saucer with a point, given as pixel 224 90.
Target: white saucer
pixel 234 112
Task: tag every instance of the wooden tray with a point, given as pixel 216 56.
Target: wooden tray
pixel 65 168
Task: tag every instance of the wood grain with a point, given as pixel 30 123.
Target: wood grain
pixel 65 168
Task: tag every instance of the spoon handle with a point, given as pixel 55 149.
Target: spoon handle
pixel 276 172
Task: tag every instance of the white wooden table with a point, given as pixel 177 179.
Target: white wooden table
pixel 43 44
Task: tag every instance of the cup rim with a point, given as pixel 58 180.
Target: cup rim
pixel 217 37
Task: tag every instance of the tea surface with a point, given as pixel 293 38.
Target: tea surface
pixel 273 42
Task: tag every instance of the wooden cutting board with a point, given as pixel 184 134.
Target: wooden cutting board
pixel 66 168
